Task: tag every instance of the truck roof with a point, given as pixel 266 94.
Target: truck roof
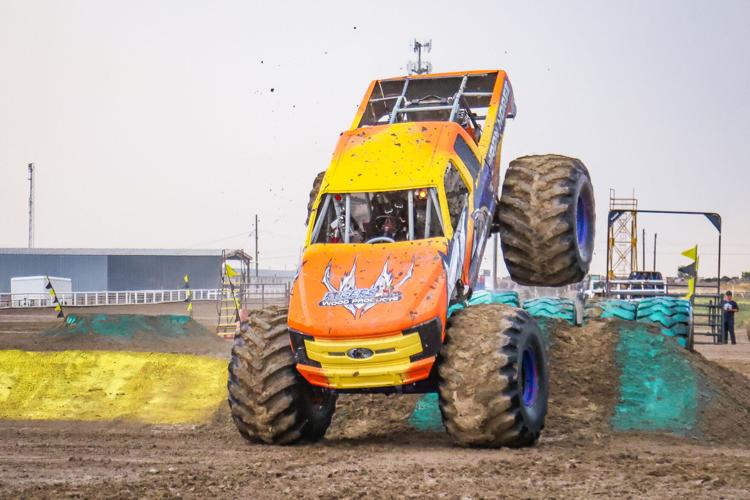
pixel 406 128
pixel 391 157
pixel 432 97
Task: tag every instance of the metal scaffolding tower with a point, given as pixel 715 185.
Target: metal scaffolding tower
pixel 622 238
pixel 235 277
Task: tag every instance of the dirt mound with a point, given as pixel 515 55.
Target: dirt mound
pixel 128 332
pixel 621 376
pixel 608 378
pixel 583 374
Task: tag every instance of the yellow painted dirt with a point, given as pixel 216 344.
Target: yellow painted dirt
pixel 155 388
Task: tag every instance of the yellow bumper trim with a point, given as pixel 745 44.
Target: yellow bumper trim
pixel 388 365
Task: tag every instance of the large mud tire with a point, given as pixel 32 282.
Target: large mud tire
pixel 314 193
pixel 546 215
pixel 493 378
pixel 269 400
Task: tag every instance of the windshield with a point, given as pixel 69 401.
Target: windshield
pixel 382 217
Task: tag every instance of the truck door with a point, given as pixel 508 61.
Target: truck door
pixel 459 203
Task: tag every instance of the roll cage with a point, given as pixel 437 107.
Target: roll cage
pixel 464 98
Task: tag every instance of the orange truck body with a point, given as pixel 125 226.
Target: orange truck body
pixel 372 317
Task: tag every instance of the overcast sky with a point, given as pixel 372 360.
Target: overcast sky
pixel 172 123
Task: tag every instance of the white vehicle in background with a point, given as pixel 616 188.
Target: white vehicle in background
pixel 593 286
pixel 31 291
pixel 638 285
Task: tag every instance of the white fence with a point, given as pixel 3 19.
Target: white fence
pixel 261 292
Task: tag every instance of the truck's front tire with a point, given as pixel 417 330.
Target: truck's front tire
pixel 546 215
pixel 493 377
pixel 269 400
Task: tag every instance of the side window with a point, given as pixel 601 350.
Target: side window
pixel 467 156
pixel 456 192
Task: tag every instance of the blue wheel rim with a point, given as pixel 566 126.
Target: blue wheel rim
pixel 530 374
pixel 582 222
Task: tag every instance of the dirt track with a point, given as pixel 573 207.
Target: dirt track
pixel 371 450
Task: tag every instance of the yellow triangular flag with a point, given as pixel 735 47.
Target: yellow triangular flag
pixel 52 292
pixel 691 288
pixel 185 278
pixel 190 307
pixel 230 271
pixel 58 308
pixel 691 253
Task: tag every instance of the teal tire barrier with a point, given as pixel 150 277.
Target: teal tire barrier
pixel 611 308
pixel 670 313
pixel 508 297
pixel 551 307
pixel 659 388
pixel 492 297
pixel 426 416
pixel 125 325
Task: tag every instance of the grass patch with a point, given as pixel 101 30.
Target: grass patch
pixel 743 316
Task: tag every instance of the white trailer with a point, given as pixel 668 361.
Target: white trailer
pixel 31 291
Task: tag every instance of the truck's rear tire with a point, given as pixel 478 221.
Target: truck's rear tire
pixel 269 400
pixel 493 377
pixel 546 215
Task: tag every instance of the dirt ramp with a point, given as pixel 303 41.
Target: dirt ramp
pixel 131 332
pixel 624 376
pixel 582 397
pixel 583 380
pixel 609 379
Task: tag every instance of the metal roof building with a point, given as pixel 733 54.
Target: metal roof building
pixel 112 269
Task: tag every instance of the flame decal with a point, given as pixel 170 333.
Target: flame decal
pixel 360 300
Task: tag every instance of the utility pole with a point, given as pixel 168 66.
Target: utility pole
pixel 256 246
pixel 31 205
pixel 655 251
pixel 644 249
pixel 417 67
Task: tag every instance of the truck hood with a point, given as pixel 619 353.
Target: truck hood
pixel 361 290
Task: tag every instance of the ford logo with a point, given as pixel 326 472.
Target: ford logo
pixel 360 353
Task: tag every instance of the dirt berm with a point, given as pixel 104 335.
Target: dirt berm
pixel 373 450
pixel 115 332
pixel 590 389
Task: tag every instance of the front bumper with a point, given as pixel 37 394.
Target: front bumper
pixel 390 361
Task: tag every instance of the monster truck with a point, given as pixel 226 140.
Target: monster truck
pixel 396 232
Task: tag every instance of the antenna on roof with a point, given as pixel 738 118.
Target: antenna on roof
pixel 419 67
